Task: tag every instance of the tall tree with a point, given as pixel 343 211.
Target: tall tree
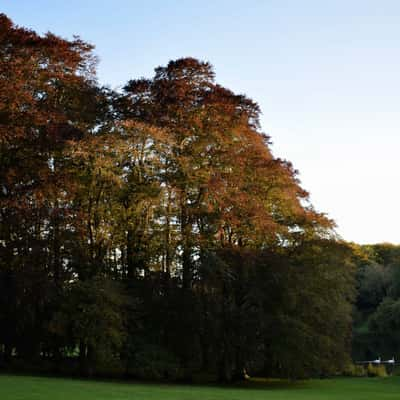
pixel 47 98
pixel 227 183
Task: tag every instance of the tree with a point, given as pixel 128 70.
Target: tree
pixel 48 97
pixel 384 325
pixel 228 188
pixel 378 290
pixel 91 315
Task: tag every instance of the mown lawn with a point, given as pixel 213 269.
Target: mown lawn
pixel 35 388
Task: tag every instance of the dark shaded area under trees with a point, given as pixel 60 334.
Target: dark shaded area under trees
pixel 151 233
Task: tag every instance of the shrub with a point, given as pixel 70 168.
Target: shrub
pixel 376 371
pixel 354 370
pixel 154 362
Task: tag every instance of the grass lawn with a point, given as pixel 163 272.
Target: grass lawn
pixel 35 388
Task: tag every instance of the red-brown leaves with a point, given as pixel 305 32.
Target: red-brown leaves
pixel 224 166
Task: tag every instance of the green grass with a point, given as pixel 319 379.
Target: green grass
pixel 35 388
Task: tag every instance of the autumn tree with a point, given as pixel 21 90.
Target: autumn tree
pixel 47 98
pixel 229 187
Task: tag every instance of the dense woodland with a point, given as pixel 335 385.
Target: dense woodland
pixel 151 233
pixel 377 310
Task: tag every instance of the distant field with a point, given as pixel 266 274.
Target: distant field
pixel 33 388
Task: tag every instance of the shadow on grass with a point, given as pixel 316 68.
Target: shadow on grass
pixel 249 384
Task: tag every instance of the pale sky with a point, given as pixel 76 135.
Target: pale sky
pixel 326 75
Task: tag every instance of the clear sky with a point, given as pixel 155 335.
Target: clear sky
pixel 325 73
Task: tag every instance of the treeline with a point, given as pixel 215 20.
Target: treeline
pixel 151 232
pixel 377 309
